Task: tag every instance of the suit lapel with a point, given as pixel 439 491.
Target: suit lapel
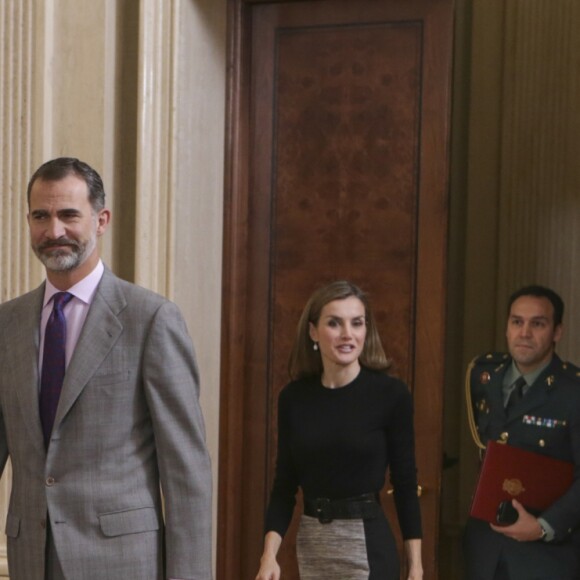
pixel 22 351
pixel 100 332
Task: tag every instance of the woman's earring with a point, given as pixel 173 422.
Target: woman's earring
pixel 315 346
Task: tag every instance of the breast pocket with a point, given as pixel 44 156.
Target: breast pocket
pixel 114 386
pixel 548 440
pixel 113 378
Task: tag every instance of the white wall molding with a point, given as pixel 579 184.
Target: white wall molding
pixel 155 146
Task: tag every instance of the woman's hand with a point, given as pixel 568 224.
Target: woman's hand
pixel 269 568
pixel 415 573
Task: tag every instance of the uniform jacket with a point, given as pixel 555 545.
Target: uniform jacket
pixel 546 421
pixel 128 421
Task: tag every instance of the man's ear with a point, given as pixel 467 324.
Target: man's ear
pixel 558 332
pixel 103 219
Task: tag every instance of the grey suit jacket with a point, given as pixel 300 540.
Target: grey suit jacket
pixel 128 422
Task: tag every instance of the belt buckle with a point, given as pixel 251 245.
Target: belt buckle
pixel 324 510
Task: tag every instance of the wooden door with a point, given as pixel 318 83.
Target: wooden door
pixel 337 168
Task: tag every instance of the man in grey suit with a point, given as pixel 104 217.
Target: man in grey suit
pixel 86 498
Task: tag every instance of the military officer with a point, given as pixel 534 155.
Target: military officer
pixel 530 399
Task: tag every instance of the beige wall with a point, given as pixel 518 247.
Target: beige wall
pixel 137 89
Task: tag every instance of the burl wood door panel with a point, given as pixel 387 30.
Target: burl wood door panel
pixel 339 166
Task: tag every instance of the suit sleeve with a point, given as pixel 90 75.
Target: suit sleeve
pixel 171 383
pixel 3 443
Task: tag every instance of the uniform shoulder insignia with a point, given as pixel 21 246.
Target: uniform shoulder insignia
pixel 570 370
pixel 491 358
pixel 483 367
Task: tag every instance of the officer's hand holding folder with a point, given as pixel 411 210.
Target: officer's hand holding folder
pixel 508 472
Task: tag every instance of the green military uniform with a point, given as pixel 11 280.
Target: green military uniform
pixel 546 421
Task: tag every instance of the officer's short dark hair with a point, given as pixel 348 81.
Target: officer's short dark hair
pixel 540 292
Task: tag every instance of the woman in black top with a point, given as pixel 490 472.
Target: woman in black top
pixel 341 422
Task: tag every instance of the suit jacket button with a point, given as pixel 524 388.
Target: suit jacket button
pixel 50 481
pixel 43 524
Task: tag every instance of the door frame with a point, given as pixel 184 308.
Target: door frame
pixel 234 483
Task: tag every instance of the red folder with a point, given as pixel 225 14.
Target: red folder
pixel 508 472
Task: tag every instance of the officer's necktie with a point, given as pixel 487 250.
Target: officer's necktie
pixel 516 394
pixel 53 364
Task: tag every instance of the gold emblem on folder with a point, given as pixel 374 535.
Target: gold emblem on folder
pixel 513 486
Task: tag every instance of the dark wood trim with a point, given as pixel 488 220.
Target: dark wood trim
pixel 230 484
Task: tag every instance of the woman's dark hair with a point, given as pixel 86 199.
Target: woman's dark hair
pixel 307 362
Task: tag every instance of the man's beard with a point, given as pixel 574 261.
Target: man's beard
pixel 62 260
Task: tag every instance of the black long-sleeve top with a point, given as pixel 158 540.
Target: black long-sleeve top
pixel 338 443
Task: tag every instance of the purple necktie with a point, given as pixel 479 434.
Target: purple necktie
pixel 53 363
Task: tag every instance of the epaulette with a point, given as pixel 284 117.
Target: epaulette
pixel 570 370
pixel 491 358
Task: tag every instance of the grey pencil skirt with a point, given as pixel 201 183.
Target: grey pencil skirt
pixel 359 549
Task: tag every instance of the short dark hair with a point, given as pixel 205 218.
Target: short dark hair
pixel 61 167
pixel 541 292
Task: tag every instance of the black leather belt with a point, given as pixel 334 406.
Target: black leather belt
pixel 326 510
